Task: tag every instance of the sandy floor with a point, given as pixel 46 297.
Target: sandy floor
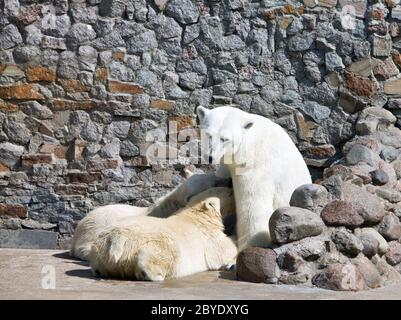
pixel 51 274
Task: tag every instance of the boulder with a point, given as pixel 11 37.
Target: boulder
pixel 369 238
pixel 341 213
pixel 257 265
pixel 390 227
pixel 388 274
pixel 340 277
pixel 369 206
pixel 368 270
pixel 290 224
pixel 393 255
pixel 309 196
pixel 347 243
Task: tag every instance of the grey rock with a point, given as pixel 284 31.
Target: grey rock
pixel 68 65
pixel 184 11
pixel 347 243
pixel 301 42
pixel 333 61
pixel 309 196
pixel 111 149
pixel 389 154
pixel 109 41
pixel 33 35
pixel 10 153
pixel 34 108
pixel 359 153
pixel 87 58
pixel 27 54
pixel 316 111
pixel 28 239
pixel 112 8
pixel 120 71
pixel 80 33
pixel 56 26
pixel 290 223
pixel 390 227
pixel 370 237
pixel 60 6
pixel 142 42
pixel 10 37
pixel 128 149
pixel 119 129
pixel 379 177
pixel 389 195
pixel 17 132
pixel 81 13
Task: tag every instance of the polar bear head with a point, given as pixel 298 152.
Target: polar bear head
pixel 228 132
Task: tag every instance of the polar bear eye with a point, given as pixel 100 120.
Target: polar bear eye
pixel 223 139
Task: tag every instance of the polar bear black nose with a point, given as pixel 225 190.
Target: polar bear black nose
pixel 210 159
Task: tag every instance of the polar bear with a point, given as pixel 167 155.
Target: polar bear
pixel 155 249
pixel 89 227
pixel 96 220
pixel 264 164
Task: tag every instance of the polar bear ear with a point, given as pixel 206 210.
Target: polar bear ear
pixel 201 112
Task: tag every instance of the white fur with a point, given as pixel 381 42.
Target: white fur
pixel 264 164
pixel 149 248
pixel 89 228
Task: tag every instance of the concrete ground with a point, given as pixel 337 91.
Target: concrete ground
pixel 24 273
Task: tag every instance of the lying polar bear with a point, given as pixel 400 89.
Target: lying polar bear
pixel 155 249
pixel 90 227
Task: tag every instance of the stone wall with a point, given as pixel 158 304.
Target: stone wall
pixel 82 81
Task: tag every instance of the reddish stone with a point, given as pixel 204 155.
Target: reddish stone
pixel 397 59
pixel 102 164
pixel 344 172
pixel 257 265
pixel 13 210
pixel 101 75
pixel 29 160
pixel 4 168
pixel 8 107
pixel 162 104
pixel 126 87
pixel 183 122
pixel 39 73
pixel 385 69
pixel 119 55
pixel 71 189
pixel 359 85
pixel 139 161
pixel 62 104
pixel 83 177
pixel 393 255
pixel 341 213
pixel 20 92
pixel 73 85
pixel 30 14
pixel 340 277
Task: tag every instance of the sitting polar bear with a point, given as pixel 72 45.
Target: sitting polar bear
pixel 264 164
pixel 89 228
pixel 150 248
